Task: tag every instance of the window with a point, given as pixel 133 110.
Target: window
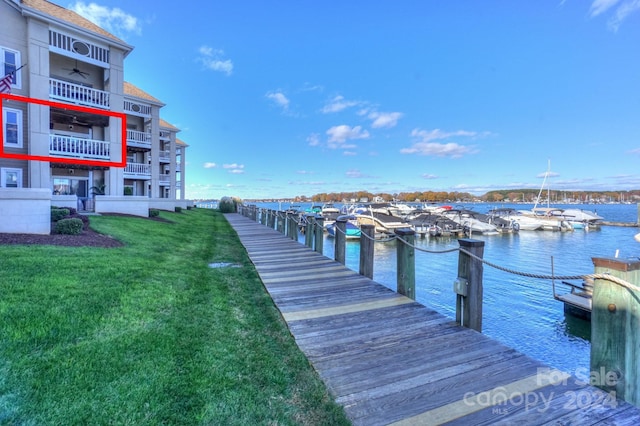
pixel 10 63
pixel 10 178
pixel 12 132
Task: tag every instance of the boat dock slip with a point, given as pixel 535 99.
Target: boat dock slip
pixel 390 360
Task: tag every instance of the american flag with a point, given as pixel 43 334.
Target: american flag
pixel 5 83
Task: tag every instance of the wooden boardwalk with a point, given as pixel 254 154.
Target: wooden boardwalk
pixel 389 360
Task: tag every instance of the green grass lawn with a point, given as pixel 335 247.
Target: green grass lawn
pixel 149 333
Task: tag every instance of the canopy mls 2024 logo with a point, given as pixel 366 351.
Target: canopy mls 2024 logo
pixel 4 97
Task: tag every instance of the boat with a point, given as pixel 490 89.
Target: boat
pixel 329 213
pixel 470 221
pixel 384 222
pixel 518 220
pixel 352 231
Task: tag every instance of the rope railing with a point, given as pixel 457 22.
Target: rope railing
pixel 302 220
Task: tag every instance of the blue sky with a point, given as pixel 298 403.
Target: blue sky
pixel 285 98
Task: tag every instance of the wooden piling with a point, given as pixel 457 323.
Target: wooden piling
pixel 468 285
pixel 406 273
pixel 340 237
pixel 319 234
pixel 367 236
pixel 308 230
pixel 615 330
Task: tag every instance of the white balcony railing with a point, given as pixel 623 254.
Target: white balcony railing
pixel 70 146
pixel 137 171
pixel 164 156
pixel 138 109
pixel 139 139
pixel 78 94
pixel 164 179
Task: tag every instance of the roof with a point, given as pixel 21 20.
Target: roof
pixel 166 125
pixel 68 16
pixel 181 142
pixel 131 90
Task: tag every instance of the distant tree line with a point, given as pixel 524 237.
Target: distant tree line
pixel 505 195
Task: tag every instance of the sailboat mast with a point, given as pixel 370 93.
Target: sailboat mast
pixel 544 181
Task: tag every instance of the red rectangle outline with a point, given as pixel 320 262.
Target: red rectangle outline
pixel 121 116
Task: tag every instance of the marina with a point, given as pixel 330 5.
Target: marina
pixel 520 312
pixel 389 360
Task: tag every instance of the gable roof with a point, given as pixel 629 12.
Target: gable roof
pixel 131 90
pixel 69 17
pixel 166 125
pixel 181 142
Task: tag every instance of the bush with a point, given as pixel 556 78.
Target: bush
pixel 71 226
pixel 57 214
pixel 154 212
pixel 229 204
pixel 178 209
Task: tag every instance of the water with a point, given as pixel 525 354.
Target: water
pixel 517 311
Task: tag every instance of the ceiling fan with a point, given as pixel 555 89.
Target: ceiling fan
pixel 76 70
pixel 74 120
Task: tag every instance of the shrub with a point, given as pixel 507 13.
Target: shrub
pixel 154 212
pixel 229 204
pixel 72 226
pixel 178 209
pixel 57 214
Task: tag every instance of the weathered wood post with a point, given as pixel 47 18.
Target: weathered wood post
pixel 263 216
pixel 271 223
pixel 340 236
pixel 308 230
pixel 615 330
pixel 319 234
pixel 367 241
pixel 292 226
pixel 468 285
pixel 280 222
pixel 406 262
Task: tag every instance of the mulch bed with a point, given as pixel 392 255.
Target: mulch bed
pixel 88 237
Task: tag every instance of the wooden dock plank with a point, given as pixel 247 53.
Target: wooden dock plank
pixel 390 360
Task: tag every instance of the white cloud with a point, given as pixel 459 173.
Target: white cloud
pixel 213 59
pixel 279 98
pixel 601 6
pixel 437 134
pixel 429 176
pixel 384 119
pixel 114 20
pixel 234 168
pixel 548 174
pixel 338 104
pixel 621 10
pixel 450 149
pixel 425 143
pixel 210 165
pixel 313 139
pixel 338 135
pixel 354 174
pixel 621 13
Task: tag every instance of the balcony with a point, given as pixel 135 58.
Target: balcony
pixel 134 108
pixel 164 180
pixel 137 171
pixel 78 94
pixel 164 156
pixel 138 139
pixel 70 146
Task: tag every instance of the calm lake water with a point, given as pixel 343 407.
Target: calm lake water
pixel 518 311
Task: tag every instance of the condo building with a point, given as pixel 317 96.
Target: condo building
pixel 74 132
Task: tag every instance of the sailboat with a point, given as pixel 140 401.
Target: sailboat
pixel 558 219
pixel 550 218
